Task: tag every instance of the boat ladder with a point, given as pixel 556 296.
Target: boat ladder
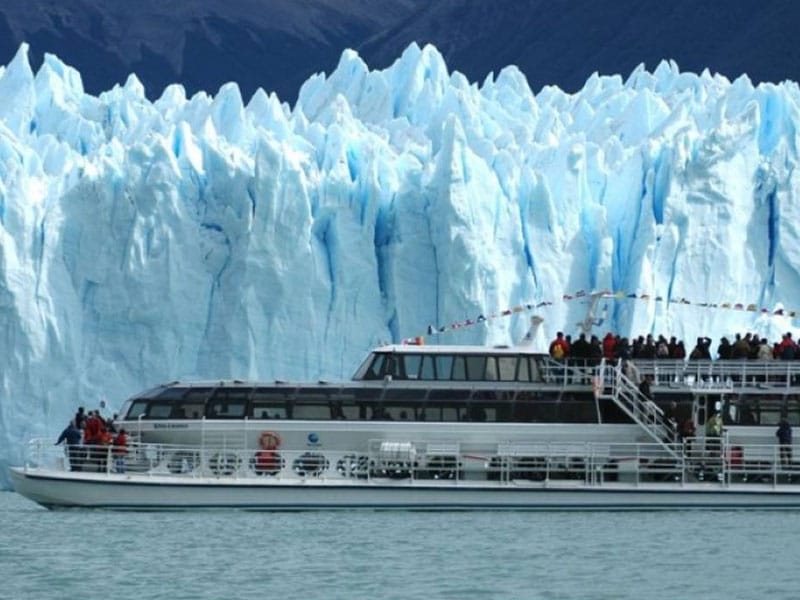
pixel 612 384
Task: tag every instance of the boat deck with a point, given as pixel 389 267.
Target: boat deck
pixel 426 475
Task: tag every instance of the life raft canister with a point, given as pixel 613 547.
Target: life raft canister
pixel 269 440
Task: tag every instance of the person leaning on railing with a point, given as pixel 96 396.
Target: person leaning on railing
pixel 72 437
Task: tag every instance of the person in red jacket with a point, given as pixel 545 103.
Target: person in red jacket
pixel 91 439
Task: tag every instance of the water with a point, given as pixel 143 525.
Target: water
pixel 85 554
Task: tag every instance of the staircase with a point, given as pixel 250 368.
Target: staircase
pixel 612 384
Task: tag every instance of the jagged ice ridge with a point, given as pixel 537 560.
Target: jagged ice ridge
pixel 208 237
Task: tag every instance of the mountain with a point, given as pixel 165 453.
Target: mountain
pixel 278 44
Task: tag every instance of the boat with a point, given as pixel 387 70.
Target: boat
pixel 445 427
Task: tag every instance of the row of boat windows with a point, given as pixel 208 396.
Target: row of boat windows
pixel 454 367
pixel 430 405
pixel 581 408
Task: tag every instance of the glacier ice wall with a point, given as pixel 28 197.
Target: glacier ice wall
pixel 212 237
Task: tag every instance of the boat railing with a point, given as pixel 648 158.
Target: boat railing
pixel 721 374
pixel 710 460
pixel 707 375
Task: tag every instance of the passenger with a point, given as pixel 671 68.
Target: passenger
pixel 662 347
pixel 80 418
pixel 788 350
pixel 72 438
pixel 120 450
pixel 111 423
pixel 784 435
pixel 559 349
pixel 595 351
pixel 701 349
pixel 686 432
pixel 725 349
pixel 580 350
pixel 714 435
pixel 765 350
pixel 645 389
pixel 91 439
pixel 609 346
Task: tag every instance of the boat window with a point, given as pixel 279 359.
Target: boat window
pixel 444 365
pixel 449 395
pixel 523 374
pixel 268 410
pixel 427 370
pixel 491 368
pixel 308 410
pixel 269 403
pixel 375 369
pixel 159 410
pixel 232 407
pixel 507 366
pixel 350 410
pixel 476 367
pixel 459 369
pixel 412 365
pixel 400 395
pixel 137 409
pixel 188 410
pixel 172 393
pixel 477 413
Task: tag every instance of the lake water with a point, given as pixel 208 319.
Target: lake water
pixel 83 554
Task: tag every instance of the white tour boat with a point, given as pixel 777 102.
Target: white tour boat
pixel 445 427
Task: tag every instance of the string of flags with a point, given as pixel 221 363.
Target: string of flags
pixel 606 294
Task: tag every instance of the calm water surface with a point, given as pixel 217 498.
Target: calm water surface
pixel 92 554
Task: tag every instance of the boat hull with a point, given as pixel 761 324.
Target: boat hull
pixel 54 489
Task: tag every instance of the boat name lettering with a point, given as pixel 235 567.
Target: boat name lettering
pixel 170 426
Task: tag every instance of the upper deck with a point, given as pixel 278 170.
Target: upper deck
pixel 474 383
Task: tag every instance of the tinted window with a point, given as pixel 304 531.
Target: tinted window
pixel 476 365
pixel 138 408
pixel 444 364
pixel 508 367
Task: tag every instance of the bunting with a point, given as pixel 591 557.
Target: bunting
pixel 607 294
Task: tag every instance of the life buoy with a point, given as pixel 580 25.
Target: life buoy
pixel 224 463
pixel 267 462
pixel 269 440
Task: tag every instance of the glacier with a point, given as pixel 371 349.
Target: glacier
pixel 208 237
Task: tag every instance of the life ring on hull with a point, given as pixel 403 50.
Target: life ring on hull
pixel 310 464
pixel 269 440
pixel 267 462
pixel 183 461
pixel 224 463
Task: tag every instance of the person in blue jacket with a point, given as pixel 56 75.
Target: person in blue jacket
pixel 72 436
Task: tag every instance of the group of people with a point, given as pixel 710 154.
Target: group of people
pixel 88 437
pixel 646 347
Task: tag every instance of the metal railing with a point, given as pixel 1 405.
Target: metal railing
pixel 697 460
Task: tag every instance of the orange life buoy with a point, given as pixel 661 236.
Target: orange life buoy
pixel 269 440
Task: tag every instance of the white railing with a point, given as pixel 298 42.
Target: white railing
pixel 711 461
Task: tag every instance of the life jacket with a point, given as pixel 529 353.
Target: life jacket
pixel 557 351
pixel 120 444
pixel 91 432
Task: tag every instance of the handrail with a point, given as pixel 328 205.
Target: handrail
pixel 641 409
pixel 693 460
